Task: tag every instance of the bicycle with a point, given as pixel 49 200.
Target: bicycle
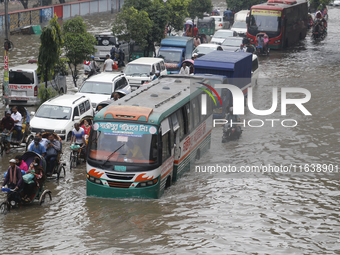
pixel 74 155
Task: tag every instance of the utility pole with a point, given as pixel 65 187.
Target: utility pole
pixel 6 46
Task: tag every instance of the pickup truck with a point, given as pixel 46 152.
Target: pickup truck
pixel 174 50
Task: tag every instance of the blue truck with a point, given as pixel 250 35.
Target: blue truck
pixel 175 49
pixel 223 67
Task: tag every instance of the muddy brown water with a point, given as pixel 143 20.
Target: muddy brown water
pixel 207 213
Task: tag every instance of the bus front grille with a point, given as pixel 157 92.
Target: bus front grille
pixel 119 184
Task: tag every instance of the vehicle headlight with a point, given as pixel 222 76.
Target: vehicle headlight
pixel 60 131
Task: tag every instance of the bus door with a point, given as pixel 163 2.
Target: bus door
pixel 175 127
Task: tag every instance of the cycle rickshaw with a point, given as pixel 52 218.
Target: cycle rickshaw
pixel 59 166
pixel 25 137
pixel 39 194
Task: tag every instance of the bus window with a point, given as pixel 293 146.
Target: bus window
pixel 195 112
pixel 181 124
pixel 188 122
pixel 165 147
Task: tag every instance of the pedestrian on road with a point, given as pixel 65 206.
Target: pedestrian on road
pixel 108 64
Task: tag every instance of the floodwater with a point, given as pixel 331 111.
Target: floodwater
pixel 272 213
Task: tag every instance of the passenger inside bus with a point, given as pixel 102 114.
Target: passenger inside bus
pixel 134 151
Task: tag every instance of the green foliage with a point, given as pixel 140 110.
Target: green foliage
pixel 319 4
pixel 46 94
pixel 131 24
pixel 78 44
pixel 196 8
pixel 61 67
pixel 178 11
pixel 50 49
pixel 238 5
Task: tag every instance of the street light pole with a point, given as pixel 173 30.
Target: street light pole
pixel 6 46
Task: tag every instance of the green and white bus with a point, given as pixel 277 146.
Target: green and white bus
pixel 142 143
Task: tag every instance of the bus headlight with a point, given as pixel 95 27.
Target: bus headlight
pixel 147 183
pixel 277 41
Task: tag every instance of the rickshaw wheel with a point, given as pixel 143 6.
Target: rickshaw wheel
pixel 61 171
pixel 43 197
pixel 5 207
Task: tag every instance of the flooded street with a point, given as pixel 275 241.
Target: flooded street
pixel 271 213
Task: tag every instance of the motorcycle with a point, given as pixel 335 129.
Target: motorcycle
pixel 318 33
pixel 231 133
pixel 88 72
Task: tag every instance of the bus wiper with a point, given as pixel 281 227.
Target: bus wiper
pixel 108 158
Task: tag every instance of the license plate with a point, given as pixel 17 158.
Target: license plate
pixel 18 93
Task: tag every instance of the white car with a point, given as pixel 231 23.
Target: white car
pixel 221 35
pixel 59 114
pixel 219 24
pixel 240 28
pixel 206 48
pixel 101 86
pixel 336 3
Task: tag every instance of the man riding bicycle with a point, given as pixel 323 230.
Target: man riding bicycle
pixel 8 124
pixel 78 137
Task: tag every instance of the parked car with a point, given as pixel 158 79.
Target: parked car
pixel 24 83
pixel 232 43
pixel 206 48
pixel 101 86
pixel 143 70
pixel 221 35
pixel 59 114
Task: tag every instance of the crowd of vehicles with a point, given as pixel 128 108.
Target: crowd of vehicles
pixel 143 143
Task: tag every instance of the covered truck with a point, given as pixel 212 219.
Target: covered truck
pixel 224 67
pixel 174 50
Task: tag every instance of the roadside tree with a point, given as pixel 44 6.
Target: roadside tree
pixel 50 50
pixel 78 44
pixel 178 11
pixel 131 24
pixel 318 4
pixel 197 8
pixel 237 5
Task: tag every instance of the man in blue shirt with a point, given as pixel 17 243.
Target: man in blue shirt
pixel 37 147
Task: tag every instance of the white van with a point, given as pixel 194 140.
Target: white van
pixel 143 70
pixel 240 25
pixel 255 70
pixel 24 83
pixel 105 42
pixel 101 86
pixel 59 114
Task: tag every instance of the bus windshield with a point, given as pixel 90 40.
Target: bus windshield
pixel 123 142
pixel 268 21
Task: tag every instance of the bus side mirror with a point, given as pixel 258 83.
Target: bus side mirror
pixel 247 20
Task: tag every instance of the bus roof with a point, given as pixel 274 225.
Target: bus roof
pixel 152 102
pixel 278 4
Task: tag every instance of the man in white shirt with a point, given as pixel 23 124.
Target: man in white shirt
pixel 108 64
pixel 16 116
pixel 184 69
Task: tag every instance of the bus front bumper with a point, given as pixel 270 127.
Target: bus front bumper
pixel 97 190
